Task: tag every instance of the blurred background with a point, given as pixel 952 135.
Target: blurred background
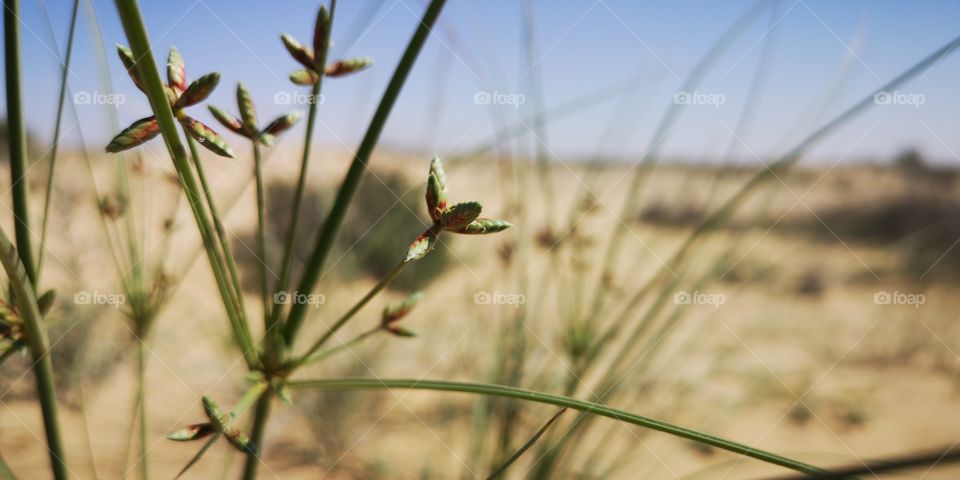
pixel 695 238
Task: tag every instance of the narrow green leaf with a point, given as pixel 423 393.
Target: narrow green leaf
pixel 460 215
pixel 483 226
pixel 248 112
pixel 198 90
pixel 176 70
pixel 305 77
pixel 560 401
pixel 126 57
pixel 136 134
pixel 207 137
pixel 345 67
pixel 422 245
pixel 526 445
pixel 299 52
pixel 227 120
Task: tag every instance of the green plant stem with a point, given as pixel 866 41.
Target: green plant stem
pixel 358 166
pixel 26 302
pixel 546 398
pixel 133 26
pixel 221 232
pixel 339 348
pixel 353 311
pixel 260 416
pixel 291 239
pixel 886 465
pixel 61 100
pixel 17 137
pixel 262 235
pixel 526 446
pixel 142 405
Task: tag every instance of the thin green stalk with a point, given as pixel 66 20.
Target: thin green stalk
pixel 260 416
pixel 26 302
pixel 17 137
pixel 221 232
pixel 142 406
pixel 64 73
pixel 539 397
pixel 291 239
pixel 651 157
pixel 339 348
pixel 262 237
pixel 358 166
pixel 875 467
pixel 526 445
pixel 353 311
pixel 133 25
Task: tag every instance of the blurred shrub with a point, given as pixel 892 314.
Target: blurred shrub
pixel 385 217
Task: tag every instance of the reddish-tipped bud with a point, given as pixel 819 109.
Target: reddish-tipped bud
pixel 198 90
pixel 346 67
pixel 176 70
pixel 207 137
pixel 141 131
pixel 299 52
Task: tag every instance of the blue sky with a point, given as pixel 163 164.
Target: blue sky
pixel 583 46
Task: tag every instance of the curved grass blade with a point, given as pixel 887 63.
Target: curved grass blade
pixel 560 401
pixel 61 100
pixel 39 344
pixel 526 446
pixel 892 464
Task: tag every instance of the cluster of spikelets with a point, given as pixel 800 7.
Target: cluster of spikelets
pixel 462 218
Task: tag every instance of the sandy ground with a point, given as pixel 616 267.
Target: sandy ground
pixel 829 377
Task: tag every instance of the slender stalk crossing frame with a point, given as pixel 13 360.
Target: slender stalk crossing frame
pixel 572 403
pixel 358 167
